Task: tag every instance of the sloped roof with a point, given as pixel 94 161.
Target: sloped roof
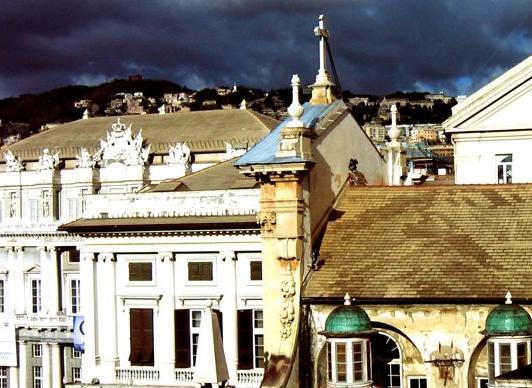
pixel 427 243
pixel 204 131
pixel 221 176
pixel 313 117
pixel 490 99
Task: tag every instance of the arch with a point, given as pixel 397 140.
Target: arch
pixel 471 382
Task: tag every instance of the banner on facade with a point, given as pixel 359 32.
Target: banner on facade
pixel 79 333
pixel 8 345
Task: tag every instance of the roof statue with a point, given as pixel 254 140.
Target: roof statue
pixel 85 114
pixel 243 104
pixel 48 161
pixel 179 154
pixel 322 33
pixel 162 109
pixel 12 163
pixel 231 152
pixel 84 159
pixel 121 147
pixel 295 110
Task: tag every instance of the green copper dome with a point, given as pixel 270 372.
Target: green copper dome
pixel 508 319
pixel 347 321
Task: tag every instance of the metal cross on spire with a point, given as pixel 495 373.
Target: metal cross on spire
pixel 323 34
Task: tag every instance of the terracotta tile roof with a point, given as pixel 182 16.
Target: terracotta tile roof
pixel 428 242
pixel 204 131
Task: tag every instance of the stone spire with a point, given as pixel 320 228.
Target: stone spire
pixel 322 88
pixel 295 110
pixel 347 299
pixel 508 298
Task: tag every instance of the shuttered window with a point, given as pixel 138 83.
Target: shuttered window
pixel 245 339
pixel 182 339
pixel 140 272
pixel 141 337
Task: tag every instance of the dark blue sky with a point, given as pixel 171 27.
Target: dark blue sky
pixel 379 46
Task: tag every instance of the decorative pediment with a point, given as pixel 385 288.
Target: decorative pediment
pixel 12 163
pixel 35 268
pixel 3 270
pixel 48 161
pixel 121 147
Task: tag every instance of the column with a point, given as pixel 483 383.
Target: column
pixel 14 378
pixel 88 298
pixel 22 363
pixel 106 302
pixel 57 380
pixel 51 283
pixel 230 329
pixel 46 366
pixel 165 348
pixel 12 296
pixel 45 300
pixel 20 300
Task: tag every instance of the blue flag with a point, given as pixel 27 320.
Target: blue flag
pixel 79 333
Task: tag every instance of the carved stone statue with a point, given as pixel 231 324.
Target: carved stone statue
pixel 84 160
pixel 12 163
pixel 231 152
pixel 48 161
pixel 179 154
pixel 121 147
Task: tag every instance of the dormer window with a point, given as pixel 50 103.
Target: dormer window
pixel 504 168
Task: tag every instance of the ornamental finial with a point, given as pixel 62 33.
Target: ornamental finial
pixel 295 110
pixel 393 133
pixel 508 297
pixel 347 299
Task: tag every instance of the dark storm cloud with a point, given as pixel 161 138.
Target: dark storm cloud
pixel 379 46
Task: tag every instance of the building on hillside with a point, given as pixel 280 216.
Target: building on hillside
pixel 96 169
pixel 492 130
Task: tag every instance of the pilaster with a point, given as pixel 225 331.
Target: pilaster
pixel 165 321
pixel 56 365
pixel 51 283
pixel 107 331
pixel 88 293
pixel 20 300
pixel 14 377
pixel 22 365
pixel 44 259
pixel 46 366
pixel 229 315
pixel 12 279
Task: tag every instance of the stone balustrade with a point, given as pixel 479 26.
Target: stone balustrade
pixel 172 204
pixel 184 376
pixel 250 378
pixel 42 321
pixel 137 375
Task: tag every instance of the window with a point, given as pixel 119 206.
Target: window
pixel 187 330
pixel 37 377
pixel 76 374
pixel 140 272
pixel 35 296
pixel 200 271
pixel 3 376
pixel 76 353
pixel 72 208
pixel 141 337
pixel 505 355
pixel 72 255
pixel 347 360
pixel 417 382
pixel 75 299
pixel 504 168
pixel 394 374
pixel 2 295
pixel 255 270
pixel 33 206
pixel 258 339
pixel 36 350
pixel 482 382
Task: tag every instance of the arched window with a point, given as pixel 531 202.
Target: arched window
pixel 386 363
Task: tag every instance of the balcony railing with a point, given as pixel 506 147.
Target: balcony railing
pixel 137 375
pixel 249 378
pixel 42 321
pixel 183 376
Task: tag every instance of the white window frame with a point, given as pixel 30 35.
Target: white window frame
pixel 348 342
pixel 3 294
pixel 199 259
pixel 30 279
pixel 513 342
pixel 390 375
pixel 76 374
pixel 418 378
pixel 257 332
pixel 3 376
pixel 37 377
pixel 33 210
pixel 249 261
pixel 123 261
pixel 504 165
pixel 76 353
pixel 73 309
pixel 194 334
pixel 36 350
pixel 480 379
pixel 72 208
